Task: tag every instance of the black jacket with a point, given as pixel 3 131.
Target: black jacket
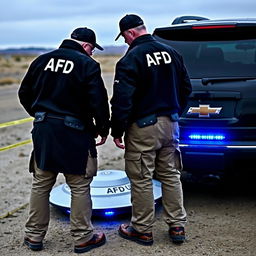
pixel 150 79
pixel 79 93
pixel 65 82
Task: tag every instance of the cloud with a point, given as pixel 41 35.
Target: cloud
pixel 49 21
pixel 17 10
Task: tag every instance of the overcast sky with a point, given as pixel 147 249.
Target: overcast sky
pixel 46 22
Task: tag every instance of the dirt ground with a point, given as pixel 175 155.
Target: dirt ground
pixel 220 222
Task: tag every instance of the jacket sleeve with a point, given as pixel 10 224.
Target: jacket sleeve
pixel 122 100
pixel 25 90
pixel 185 87
pixel 98 100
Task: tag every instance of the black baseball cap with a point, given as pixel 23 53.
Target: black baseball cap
pixel 86 35
pixel 129 21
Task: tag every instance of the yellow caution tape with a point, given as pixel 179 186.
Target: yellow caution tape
pixel 10 213
pixel 16 145
pixel 21 121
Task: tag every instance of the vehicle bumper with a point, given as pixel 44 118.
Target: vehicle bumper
pixel 217 159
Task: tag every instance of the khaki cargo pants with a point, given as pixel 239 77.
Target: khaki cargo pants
pixel 154 151
pixel 81 204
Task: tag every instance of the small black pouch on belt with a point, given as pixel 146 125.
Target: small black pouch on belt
pixel 147 120
pixel 39 117
pixel 175 117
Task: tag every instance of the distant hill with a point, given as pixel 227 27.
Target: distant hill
pixel 25 50
pixel 112 50
pixel 108 50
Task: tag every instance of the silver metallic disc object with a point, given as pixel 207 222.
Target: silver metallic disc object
pixel 110 189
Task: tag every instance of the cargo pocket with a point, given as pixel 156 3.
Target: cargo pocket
pixel 178 160
pixel 91 167
pixel 133 165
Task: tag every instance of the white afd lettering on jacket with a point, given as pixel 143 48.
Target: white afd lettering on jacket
pixel 157 56
pixel 65 66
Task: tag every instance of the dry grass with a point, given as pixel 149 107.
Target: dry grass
pixel 15 63
pixel 8 80
pixel 13 67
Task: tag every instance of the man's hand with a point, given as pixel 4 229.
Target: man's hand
pixel 102 141
pixel 118 142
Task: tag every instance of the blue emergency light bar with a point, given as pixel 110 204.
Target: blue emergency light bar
pixel 208 137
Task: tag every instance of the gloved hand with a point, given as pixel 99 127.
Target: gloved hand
pixel 118 142
pixel 102 141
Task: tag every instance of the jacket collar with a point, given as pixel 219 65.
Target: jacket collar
pixel 71 44
pixel 141 39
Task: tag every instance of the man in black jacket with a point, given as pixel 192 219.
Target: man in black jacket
pixel 151 88
pixel 64 91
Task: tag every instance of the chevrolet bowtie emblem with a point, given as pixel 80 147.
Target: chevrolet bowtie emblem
pixel 204 111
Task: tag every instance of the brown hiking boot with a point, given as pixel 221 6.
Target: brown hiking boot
pixel 177 235
pixel 96 241
pixel 33 245
pixel 128 232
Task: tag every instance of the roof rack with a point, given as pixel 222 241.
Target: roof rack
pixel 185 19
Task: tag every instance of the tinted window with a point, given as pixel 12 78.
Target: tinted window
pixel 217 58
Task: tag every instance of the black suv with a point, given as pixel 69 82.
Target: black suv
pixel 218 127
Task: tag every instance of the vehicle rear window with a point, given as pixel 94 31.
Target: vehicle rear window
pixel 231 58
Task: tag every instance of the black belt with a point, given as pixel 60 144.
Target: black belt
pixel 56 116
pixel 69 121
